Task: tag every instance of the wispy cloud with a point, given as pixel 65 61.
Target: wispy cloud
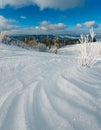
pixel 23 17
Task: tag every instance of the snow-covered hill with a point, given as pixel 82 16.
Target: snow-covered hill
pixel 42 91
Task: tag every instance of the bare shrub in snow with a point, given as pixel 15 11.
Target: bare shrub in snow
pixel 87 50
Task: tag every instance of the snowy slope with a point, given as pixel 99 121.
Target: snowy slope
pixel 42 91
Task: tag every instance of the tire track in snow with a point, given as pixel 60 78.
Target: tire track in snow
pixel 7 99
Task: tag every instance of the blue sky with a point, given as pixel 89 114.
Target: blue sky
pixel 51 16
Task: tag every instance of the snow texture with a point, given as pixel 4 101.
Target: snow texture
pixel 42 91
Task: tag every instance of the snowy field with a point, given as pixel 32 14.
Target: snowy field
pixel 43 91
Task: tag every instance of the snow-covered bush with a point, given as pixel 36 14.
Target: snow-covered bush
pixel 87 50
pixel 3 36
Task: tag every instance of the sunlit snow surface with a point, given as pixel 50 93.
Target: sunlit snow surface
pixel 43 91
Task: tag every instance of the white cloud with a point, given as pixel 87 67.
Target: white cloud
pixel 57 4
pixel 47 27
pixel 14 3
pixel 3 21
pixel 79 25
pixel 91 24
pixel 88 24
pixel 7 24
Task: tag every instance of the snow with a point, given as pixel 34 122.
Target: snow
pixel 43 91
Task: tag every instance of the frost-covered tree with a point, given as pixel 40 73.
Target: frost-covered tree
pixel 81 39
pixel 92 34
pixel 48 42
pixel 87 56
pixel 56 45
